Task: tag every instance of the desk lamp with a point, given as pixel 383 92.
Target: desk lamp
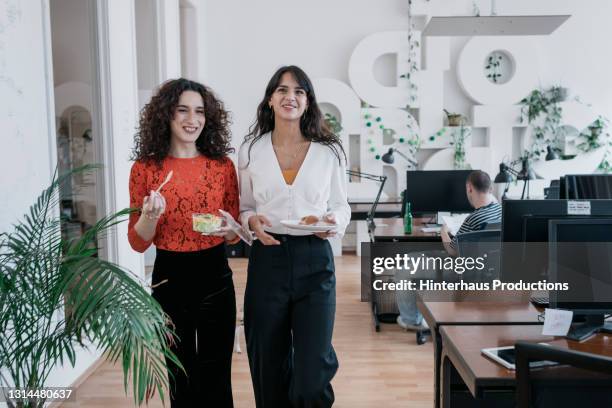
pixel 389 159
pixel 374 177
pixel 507 173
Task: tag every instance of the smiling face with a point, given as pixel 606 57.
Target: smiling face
pixel 188 121
pixel 289 100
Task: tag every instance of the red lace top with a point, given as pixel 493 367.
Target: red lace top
pixel 198 185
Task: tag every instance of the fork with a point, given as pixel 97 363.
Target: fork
pixel 168 177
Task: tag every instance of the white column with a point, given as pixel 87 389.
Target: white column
pixel 169 39
pixel 119 113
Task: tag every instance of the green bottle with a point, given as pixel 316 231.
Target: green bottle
pixel 408 220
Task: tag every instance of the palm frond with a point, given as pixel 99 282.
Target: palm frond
pixel 41 273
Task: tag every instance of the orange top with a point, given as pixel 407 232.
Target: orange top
pixel 198 185
pixel 289 176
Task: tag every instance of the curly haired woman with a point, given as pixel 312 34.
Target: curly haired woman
pixel 184 130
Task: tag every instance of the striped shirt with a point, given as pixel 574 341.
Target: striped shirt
pixel 478 220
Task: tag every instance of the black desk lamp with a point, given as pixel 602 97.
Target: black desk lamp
pixel 389 159
pixel 551 154
pixel 381 180
pixel 507 173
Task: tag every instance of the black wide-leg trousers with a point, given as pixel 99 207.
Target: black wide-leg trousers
pixel 196 290
pixel 289 309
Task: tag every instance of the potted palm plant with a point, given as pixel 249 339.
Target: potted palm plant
pixel 43 274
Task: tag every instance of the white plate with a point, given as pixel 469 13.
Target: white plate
pixel 295 224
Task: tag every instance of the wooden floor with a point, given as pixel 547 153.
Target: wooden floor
pixel 383 370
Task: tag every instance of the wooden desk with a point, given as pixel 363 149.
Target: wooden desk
pixel 392 230
pixel 461 352
pixel 390 207
pixel 478 311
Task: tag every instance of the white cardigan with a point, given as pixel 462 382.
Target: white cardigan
pixel 319 187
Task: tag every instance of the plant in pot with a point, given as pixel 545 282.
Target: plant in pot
pixel 333 124
pixel 454 119
pixel 541 110
pixel 558 93
pixel 42 275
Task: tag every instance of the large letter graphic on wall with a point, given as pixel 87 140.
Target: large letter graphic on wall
pixel 500 113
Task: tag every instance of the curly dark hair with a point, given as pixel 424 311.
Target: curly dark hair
pixel 152 140
pixel 312 125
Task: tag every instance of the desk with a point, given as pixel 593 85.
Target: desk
pixel 476 309
pixel 392 230
pixel 390 207
pixel 384 306
pixel 461 352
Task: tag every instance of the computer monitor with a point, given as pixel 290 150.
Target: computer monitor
pixel 525 233
pixel 580 254
pixel 552 192
pixel 588 186
pixel 431 191
pixel 562 188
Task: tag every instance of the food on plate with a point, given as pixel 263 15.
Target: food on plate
pixel 313 220
pixel 309 220
pixel 206 223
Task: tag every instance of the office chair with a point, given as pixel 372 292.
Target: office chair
pixel 591 386
pixel 492 226
pixel 477 244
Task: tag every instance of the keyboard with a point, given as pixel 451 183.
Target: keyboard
pixel 582 332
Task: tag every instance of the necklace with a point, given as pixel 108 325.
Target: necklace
pixel 292 155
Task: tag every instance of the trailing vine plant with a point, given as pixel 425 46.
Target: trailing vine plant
pixel 541 110
pixel 458 139
pixel 598 136
pixel 458 136
pixel 413 48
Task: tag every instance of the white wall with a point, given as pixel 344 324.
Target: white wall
pixel 247 41
pixel 26 109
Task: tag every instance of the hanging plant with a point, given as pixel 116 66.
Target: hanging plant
pixel 598 136
pixel 541 110
pixel 458 138
pixel 413 48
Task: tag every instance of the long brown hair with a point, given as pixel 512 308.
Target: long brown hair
pixel 152 140
pixel 312 125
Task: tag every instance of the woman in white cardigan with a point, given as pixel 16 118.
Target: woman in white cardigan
pixel 291 166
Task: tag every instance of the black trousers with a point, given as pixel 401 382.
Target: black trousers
pixel 199 298
pixel 289 308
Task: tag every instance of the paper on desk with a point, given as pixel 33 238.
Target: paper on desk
pixel 430 229
pixel 453 222
pixel 557 322
pixel 246 236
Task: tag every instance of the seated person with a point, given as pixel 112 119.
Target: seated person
pixel 478 188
